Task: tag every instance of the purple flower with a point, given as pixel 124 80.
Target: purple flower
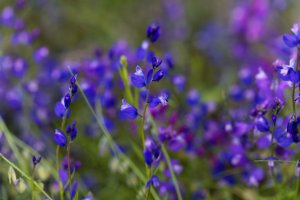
pixel 292 40
pixel 284 139
pixel 158 75
pixel 67 101
pixel 292 128
pixel 40 54
pixel 36 160
pixel 153 32
pixel 73 190
pixel 72 130
pixel 156 62
pixel 153 181
pixel 59 138
pixel 262 124
pixel 127 111
pixel 152 152
pixel 193 98
pixel 138 78
pixel 155 101
pixel 73 85
pixel 148 157
pixel 59 109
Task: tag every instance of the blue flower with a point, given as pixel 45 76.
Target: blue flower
pixel 36 160
pixel 127 111
pixel 40 54
pixel 153 181
pixel 72 130
pixel 155 101
pixel 153 32
pixel 152 152
pixel 293 129
pixel 73 190
pixel 156 62
pixel 73 85
pixel 148 157
pixel 67 100
pixel 193 98
pixel 292 40
pixel 287 72
pixel 138 78
pixel 282 137
pixel 158 75
pixel 59 138
pixel 262 124
pixel 59 109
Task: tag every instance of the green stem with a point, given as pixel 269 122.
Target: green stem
pixel 32 185
pixel 26 176
pixel 174 179
pixel 68 159
pixel 149 188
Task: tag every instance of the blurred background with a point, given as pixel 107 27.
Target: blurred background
pixel 211 42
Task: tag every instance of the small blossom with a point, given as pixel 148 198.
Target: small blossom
pixel 156 62
pixel 36 160
pixel 262 124
pixel 153 181
pixel 138 78
pixel 59 109
pixel 67 100
pixel 127 111
pixel 73 85
pixel 292 40
pixel 153 32
pixel 72 130
pixel 73 190
pixel 158 75
pixel 292 128
pixel 59 138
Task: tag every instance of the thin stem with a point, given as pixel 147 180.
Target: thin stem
pixel 68 159
pixel 168 161
pixel 32 185
pixel 26 176
pixel 149 188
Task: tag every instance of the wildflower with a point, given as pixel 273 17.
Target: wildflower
pixel 71 130
pixel 138 78
pixel 127 111
pixel 262 124
pixel 153 181
pixel 36 160
pixel 59 109
pixel 156 62
pixel 292 128
pixel 152 152
pixel 67 100
pixel 73 85
pixel 153 32
pixel 59 138
pixel 158 75
pixel 73 190
pixel 155 101
pixel 292 40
